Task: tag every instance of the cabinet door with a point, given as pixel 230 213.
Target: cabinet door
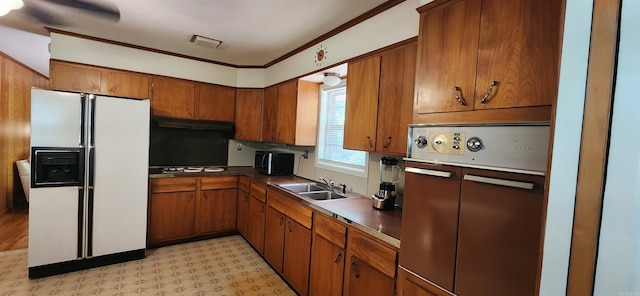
pixel 274 238
pixel 75 77
pixel 327 268
pixel 171 215
pixel 217 210
pixel 447 56
pixel 124 84
pixel 361 110
pixel 363 279
pixel 243 212
pixel 173 98
pixel 248 114
pixel 395 102
pixel 215 102
pixel 270 114
pixel 255 224
pixel 297 256
pixel 286 119
pixel 519 47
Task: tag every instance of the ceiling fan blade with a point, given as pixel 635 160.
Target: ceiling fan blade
pixel 43 15
pixel 110 12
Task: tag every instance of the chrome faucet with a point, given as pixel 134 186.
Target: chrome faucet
pixel 327 181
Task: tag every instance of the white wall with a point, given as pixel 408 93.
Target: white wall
pixel 27 48
pixel 618 265
pixel 566 147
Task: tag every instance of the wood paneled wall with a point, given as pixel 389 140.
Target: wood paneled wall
pixel 16 81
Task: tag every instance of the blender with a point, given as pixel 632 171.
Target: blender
pixel 385 199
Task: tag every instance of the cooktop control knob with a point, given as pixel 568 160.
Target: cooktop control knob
pixel 421 142
pixel 474 144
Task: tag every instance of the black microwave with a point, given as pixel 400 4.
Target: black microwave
pixel 274 163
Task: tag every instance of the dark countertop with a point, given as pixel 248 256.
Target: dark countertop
pixel 355 211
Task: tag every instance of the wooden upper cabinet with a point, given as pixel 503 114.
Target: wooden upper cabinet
pixel 287 108
pixel 215 102
pixel 269 114
pixel 487 54
pixel 361 110
pixel 395 101
pixel 124 84
pixel 173 98
pixel 519 47
pixel 97 80
pixel 248 114
pixel 290 113
pixel 72 77
pixel 447 56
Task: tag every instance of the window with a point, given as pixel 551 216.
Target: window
pixel 330 154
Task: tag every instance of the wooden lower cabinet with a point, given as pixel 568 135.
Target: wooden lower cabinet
pixel 171 215
pixel 242 212
pixel 297 255
pixel 327 268
pixel 217 210
pixel 371 266
pixel 256 223
pixel 274 238
pixel 411 285
pixel 187 207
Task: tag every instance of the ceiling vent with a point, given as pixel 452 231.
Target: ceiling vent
pixel 206 42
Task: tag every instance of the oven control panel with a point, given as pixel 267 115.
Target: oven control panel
pixel 515 147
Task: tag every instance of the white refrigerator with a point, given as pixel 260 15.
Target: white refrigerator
pixel 88 191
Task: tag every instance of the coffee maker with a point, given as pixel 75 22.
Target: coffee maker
pixel 385 199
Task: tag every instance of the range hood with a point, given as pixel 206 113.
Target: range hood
pixel 194 124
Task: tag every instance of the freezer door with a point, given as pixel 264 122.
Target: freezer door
pixel 53 225
pixel 56 118
pixel 121 160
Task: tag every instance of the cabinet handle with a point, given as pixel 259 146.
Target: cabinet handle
pixel 93 85
pixel 262 209
pixel 189 112
pixel 190 197
pixel 203 115
pixel 457 90
pixel 281 220
pixel 387 143
pixel 501 182
pixel 354 269
pixel 246 198
pixel 428 172
pixel 338 258
pixel 289 225
pixel 369 142
pixel 113 89
pixel 486 96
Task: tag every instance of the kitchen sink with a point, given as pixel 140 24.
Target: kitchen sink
pixel 322 195
pixel 302 187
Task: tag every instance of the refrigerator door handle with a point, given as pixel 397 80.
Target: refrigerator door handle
pixel 80 221
pixel 90 223
pixel 92 165
pixel 92 120
pixel 83 119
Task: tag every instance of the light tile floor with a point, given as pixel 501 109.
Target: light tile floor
pixel 221 266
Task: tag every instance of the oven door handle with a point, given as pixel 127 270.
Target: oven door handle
pixel 429 172
pixel 501 182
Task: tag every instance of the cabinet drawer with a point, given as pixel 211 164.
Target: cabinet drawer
pixel 259 192
pixel 244 184
pixel 292 209
pixel 330 229
pixel 227 182
pixel 373 252
pixel 173 185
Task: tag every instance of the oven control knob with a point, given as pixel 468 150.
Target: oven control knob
pixel 421 142
pixel 474 144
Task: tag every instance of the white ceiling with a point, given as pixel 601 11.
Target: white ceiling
pixel 253 32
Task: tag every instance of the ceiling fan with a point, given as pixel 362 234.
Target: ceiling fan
pixel 44 13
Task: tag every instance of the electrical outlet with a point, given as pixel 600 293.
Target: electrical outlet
pixel 305 155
